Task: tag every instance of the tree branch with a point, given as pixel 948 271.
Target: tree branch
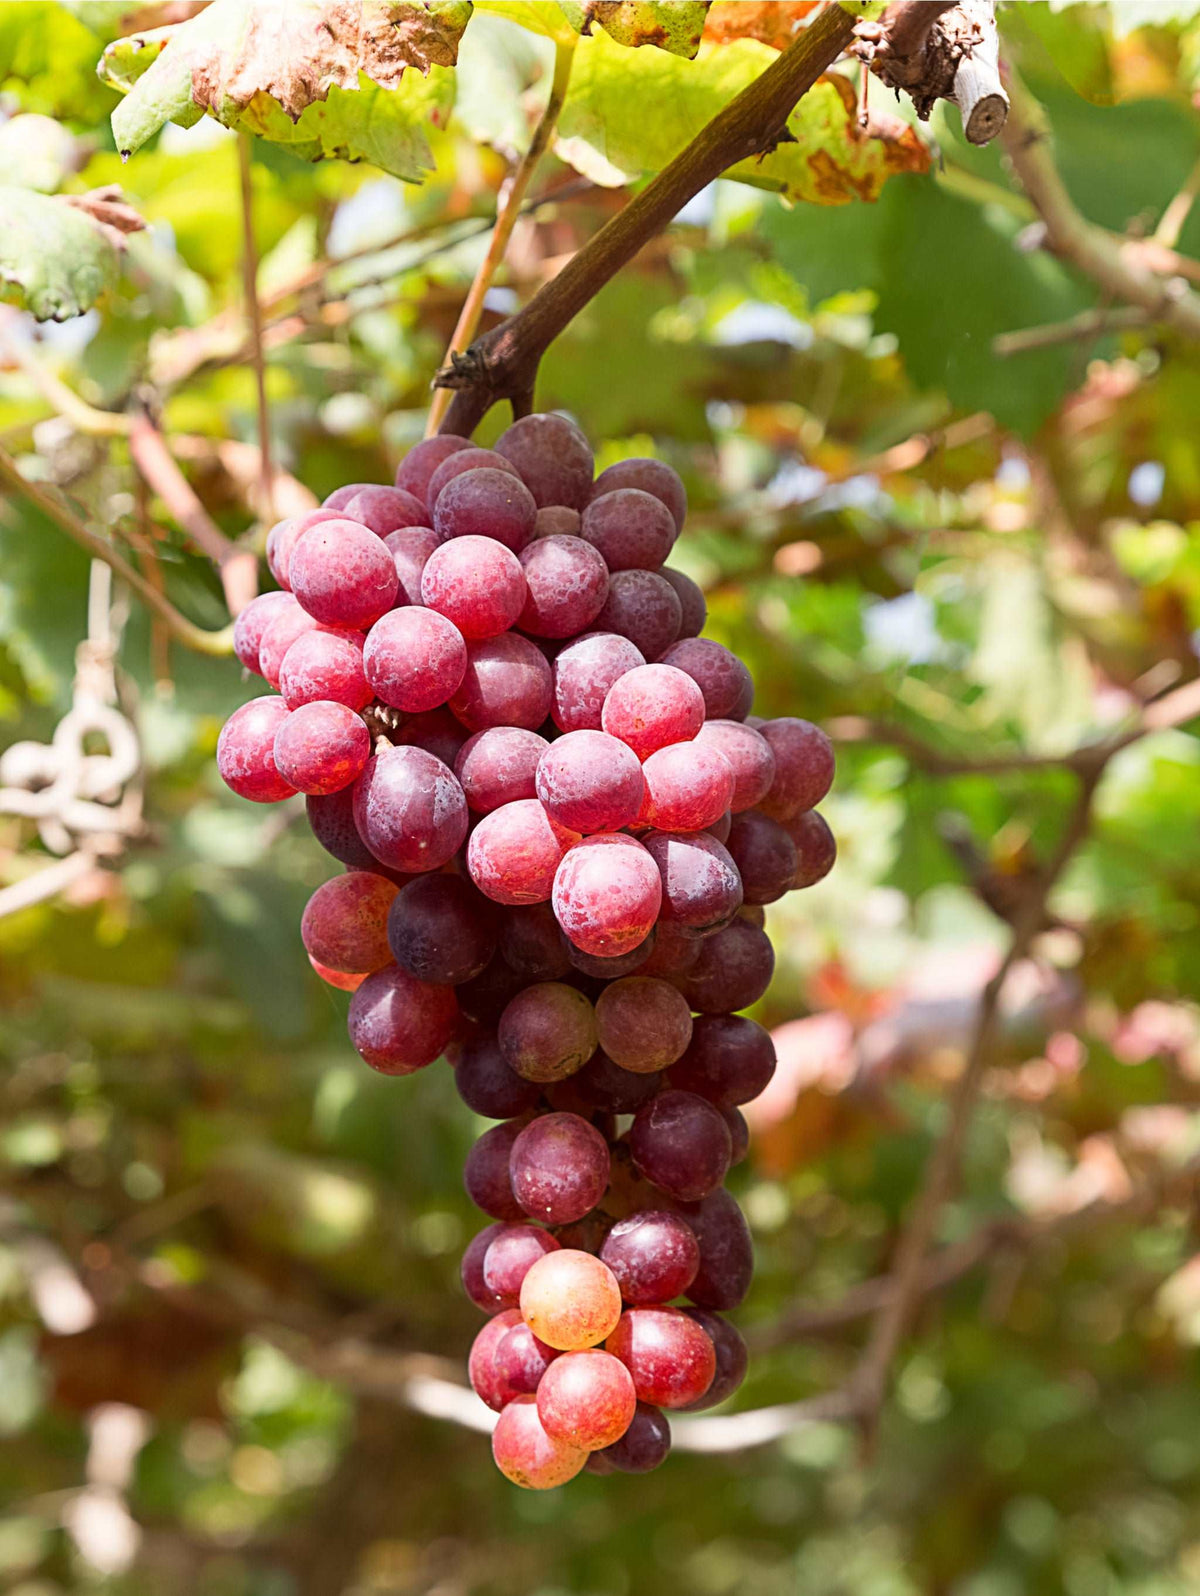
pixel 934 51
pixel 503 364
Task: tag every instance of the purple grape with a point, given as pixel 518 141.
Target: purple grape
pixel 816 848
pixel 644 607
pixel 559 1168
pixel 719 674
pixel 331 818
pixel 384 509
pixel 555 520
pixel 511 1254
pixel 507 683
pixel 613 968
pixel 475 582
pixel 343 575
pixel 726 1252
pixel 681 1144
pixel 442 929
pixel 733 971
pixel 650 476
pixel 399 1024
pixel 422 460
pixel 498 766
pixel 733 1358
pixel 548 1031
pixel 520 1360
pixel 749 756
pixel 434 730
pixel 654 1256
pixel 532 943
pixel 804 767
pixel 603 1085
pixel 567 582
pixel 485 1177
pixel 643 1024
pixel 553 458
pixel 765 855
pixel 485 503
pixel 631 529
pixel 410 548
pixel 589 781
pixel 729 1060
pixel 701 887
pixel 486 1083
pixel 462 461
pixel 691 602
pixel 324 664
pixel 739 1132
pixel 484 998
pixel 607 894
pixel 253 621
pixel 644 1446
pixel 409 810
pixel 472 1276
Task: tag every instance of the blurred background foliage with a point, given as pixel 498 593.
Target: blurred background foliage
pixel 946 553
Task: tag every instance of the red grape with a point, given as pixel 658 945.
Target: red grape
pixel 344 925
pixel 422 460
pixel 553 457
pixel 321 747
pixel 486 1182
pixel 676 950
pixel 514 852
pixel 343 575
pixel 384 509
pixel 472 1271
pixel 559 1171
pixel 643 1025
pixel 589 781
pixel 739 1132
pixel 497 766
pixel 475 582
pixel 726 1252
pixel 442 929
pixel 567 582
pixel 654 1256
pixel 650 476
pixel 511 1254
pixel 670 1356
pixel 730 1059
pixel 642 1448
pixel 340 497
pixel 587 1399
pixel 681 1144
pixel 343 982
pixel 414 659
pixel 732 1357
pixel 253 621
pixel 607 894
pixel 526 1455
pixel 644 607
pixel 688 787
pixel 632 530
pixel 733 971
pixel 409 809
pixel 325 664
pixel 691 602
pixel 701 887
pixel 410 548
pixel 246 751
pixel 399 1024
pixel 764 854
pixel 485 503
pixel 721 828
pixel 483 1368
pixel 532 943
pixel 548 1031
pixel 487 1084
pixel 749 756
pixel 584 674
pixel 331 817
pixel 507 683
pixel 462 461
pixel 283 537
pixel 519 1359
pixel 651 706
pixel 570 1300
pixel 803 767
pixel 604 1085
pixel 816 850
pixel 278 635
pixel 612 967
pixel 720 675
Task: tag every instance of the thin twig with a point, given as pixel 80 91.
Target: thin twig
pixel 1088 324
pixel 83 417
pixel 254 316
pixel 1173 220
pixel 192 636
pixel 47 882
pixel 509 209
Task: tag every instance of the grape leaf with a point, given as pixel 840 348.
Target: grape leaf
pixel 325 77
pixel 671 25
pixel 604 131
pixel 37 151
pixel 58 254
pixel 774 22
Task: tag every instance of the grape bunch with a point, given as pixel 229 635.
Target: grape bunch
pixel 559 823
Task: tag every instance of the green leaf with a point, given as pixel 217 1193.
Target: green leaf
pixel 54 261
pixel 671 25
pixel 606 134
pixel 37 151
pixel 287 71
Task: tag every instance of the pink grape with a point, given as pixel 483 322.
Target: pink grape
pixel 246 751
pixel 547 1032
pixel 670 1356
pixel 692 603
pixel 700 884
pixel 434 730
pixel 343 574
pixel 553 457
pixel 515 851
pixel 410 548
pixel 570 1300
pixel 804 767
pixel 643 1024
pixel 732 1357
pixel 344 925
pixel 384 509
pixel 511 1254
pixel 688 787
pixel 733 970
pixel 486 1182
pixel 584 674
pixel 750 758
pixel 519 1359
pixel 475 582
pixel 331 819
pixel 559 1169
pixel 720 675
pixel 487 1379
pixel 586 1399
pixel 526 1455
pixel 498 766
pixel 651 706
pixel 409 810
pixel 589 781
pixel 461 461
pixel 556 519
pixel 486 1082
pixel 607 894
pixel 472 1271
pixel 532 943
pixel 816 849
pixel 253 621
pixel 321 747
pixel 632 530
pixel 507 683
pixel 650 476
pixel 644 607
pixel 280 632
pixel 487 503
pixel 399 1024
pixel 654 1256
pixel 414 659
pixel 567 583
pixel 681 1144
pixel 729 1061
pixel 764 854
pixel 644 1446
pixel 340 497
pixel 726 1252
pixel 422 460
pixel 284 535
pixel 325 665
pixel 442 929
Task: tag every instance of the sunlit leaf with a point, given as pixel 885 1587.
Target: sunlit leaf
pixel 671 25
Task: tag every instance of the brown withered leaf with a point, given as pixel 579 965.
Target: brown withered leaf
pixel 110 211
pixel 773 22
